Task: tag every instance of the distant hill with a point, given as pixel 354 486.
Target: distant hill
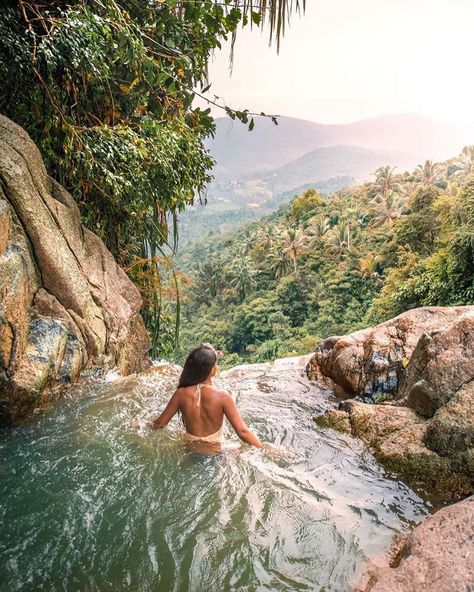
pixel 330 162
pixel 324 166
pixel 408 133
pixel 258 171
pixel 240 153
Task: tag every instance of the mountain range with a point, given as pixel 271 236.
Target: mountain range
pixel 240 153
pixel 257 171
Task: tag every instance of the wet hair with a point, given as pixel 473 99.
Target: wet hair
pixel 198 366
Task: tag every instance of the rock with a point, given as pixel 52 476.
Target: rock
pixel 131 349
pixel 438 556
pixel 451 432
pixel 65 305
pixel 426 436
pixel 371 362
pixel 5 226
pixel 41 361
pixel 400 441
pixel 442 362
pixel 19 280
pixel 335 419
pixel 254 371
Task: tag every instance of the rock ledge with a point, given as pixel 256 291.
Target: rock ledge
pixel 426 435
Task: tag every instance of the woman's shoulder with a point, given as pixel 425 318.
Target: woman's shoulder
pixel 220 393
pixel 210 389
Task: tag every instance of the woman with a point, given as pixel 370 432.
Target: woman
pixel 201 404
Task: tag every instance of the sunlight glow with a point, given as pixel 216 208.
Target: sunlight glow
pixel 347 60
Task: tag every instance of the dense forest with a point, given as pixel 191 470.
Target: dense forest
pixel 323 266
pixel 107 92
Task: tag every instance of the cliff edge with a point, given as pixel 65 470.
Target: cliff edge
pixel 65 304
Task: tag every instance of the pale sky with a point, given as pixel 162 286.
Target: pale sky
pixel 346 60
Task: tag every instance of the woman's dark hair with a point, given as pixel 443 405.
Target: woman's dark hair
pixel 198 366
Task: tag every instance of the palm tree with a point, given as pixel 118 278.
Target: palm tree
pixel 279 262
pixel 294 243
pixel 427 173
pixel 209 278
pixel 247 241
pixel 242 275
pixel 268 236
pixel 340 237
pixel 385 180
pixel 319 226
pixel 368 265
pixel 465 162
pixel 276 13
pixel 386 209
pixel 453 189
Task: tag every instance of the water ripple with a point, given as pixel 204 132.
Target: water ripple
pixel 89 503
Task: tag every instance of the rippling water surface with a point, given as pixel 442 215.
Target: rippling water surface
pixel 89 503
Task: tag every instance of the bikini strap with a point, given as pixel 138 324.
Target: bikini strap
pixel 198 391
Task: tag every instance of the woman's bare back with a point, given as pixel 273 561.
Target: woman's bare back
pixel 202 407
pixel 203 416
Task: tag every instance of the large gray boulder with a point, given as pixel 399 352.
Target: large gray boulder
pixel 65 304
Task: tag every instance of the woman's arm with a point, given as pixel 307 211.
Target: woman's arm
pixel 232 414
pixel 170 411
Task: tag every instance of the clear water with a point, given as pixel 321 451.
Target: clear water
pixel 89 503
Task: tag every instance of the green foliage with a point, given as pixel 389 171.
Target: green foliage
pixel 293 296
pixel 302 207
pixel 418 229
pixel 106 91
pixel 444 276
pixel 321 267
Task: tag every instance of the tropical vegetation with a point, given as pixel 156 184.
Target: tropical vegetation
pixel 106 90
pixel 323 266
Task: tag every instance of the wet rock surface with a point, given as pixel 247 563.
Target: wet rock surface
pixel 438 556
pixel 425 436
pixel 65 305
pixel 372 362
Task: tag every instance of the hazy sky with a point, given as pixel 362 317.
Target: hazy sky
pixel 346 60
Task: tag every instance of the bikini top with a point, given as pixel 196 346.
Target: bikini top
pixel 198 391
pixel 217 436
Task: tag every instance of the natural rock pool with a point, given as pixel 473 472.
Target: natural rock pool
pixel 88 503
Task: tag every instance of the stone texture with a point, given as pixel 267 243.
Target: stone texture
pixel 400 440
pixel 441 363
pixel 451 432
pixel 438 556
pixel 5 226
pixel 371 362
pixel 425 436
pixel 64 302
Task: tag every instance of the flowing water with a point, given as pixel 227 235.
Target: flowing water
pixel 90 502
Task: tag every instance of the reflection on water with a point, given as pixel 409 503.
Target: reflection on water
pixel 89 503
